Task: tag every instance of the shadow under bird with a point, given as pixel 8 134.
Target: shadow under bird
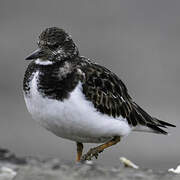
pixel 78 99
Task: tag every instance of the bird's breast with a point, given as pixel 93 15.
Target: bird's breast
pixel 74 118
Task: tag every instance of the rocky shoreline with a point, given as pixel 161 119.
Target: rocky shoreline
pixel 15 168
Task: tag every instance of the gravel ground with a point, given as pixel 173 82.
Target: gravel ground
pixel 15 168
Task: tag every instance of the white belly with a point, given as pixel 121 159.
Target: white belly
pixel 75 118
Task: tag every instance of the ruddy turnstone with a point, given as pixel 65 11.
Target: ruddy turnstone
pixel 80 100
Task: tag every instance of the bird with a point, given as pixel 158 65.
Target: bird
pixel 75 98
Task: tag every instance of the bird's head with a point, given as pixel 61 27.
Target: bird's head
pixel 54 45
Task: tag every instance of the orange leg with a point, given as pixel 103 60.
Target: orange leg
pixel 95 151
pixel 79 151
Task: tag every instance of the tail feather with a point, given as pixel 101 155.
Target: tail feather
pixel 165 123
pixel 157 129
pixel 144 119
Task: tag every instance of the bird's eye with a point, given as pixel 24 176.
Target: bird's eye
pixel 41 43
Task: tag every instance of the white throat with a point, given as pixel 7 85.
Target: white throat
pixel 43 62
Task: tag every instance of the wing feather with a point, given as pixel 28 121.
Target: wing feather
pixel 110 96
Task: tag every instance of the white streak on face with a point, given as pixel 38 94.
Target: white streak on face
pixel 43 62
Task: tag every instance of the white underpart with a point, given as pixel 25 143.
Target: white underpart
pixel 43 62
pixel 75 118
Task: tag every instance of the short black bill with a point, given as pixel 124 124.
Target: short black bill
pixel 36 54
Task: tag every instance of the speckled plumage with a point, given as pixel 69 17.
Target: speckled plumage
pixel 99 86
pixel 110 96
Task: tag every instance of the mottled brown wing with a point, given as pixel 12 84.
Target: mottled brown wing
pixel 106 91
pixel 110 96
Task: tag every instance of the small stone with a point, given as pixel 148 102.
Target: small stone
pixel 7 173
pixel 128 163
pixel 177 170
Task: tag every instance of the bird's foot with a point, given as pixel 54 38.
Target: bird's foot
pixel 93 152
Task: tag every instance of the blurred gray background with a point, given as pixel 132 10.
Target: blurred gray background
pixel 137 39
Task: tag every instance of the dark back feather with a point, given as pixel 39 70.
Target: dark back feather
pixel 110 96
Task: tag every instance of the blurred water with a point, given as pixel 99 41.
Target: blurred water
pixel 139 40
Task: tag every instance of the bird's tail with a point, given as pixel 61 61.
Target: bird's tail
pixel 145 120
